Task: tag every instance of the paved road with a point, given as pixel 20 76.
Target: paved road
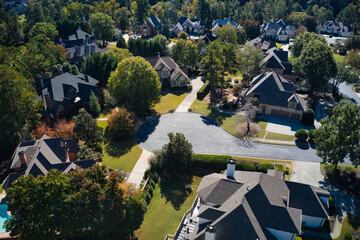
pixel 345 89
pixel 207 137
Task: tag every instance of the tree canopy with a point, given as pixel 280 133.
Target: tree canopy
pixel 103 26
pixel 135 85
pixel 98 201
pixel 339 137
pixel 228 34
pixel 43 32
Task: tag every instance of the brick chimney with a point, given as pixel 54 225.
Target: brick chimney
pixel 22 157
pixel 49 102
pixel 210 232
pixel 230 169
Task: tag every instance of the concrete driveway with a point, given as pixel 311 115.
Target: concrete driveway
pixel 283 125
pixel 208 137
pixel 184 106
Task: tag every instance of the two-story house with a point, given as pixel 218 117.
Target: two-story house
pixel 276 96
pixel 280 30
pixel 151 27
pixel 188 25
pixel 252 205
pixel 335 28
pixel 218 23
pixel 38 157
pixel 262 43
pixel 170 73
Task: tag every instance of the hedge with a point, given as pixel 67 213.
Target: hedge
pixel 301 134
pixel 311 134
pixel 211 162
pixel 204 90
pixel 244 166
pixel 308 117
pixel 263 167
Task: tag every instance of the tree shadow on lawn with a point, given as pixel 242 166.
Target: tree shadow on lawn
pixel 174 190
pixel 146 129
pixel 215 114
pixel 118 148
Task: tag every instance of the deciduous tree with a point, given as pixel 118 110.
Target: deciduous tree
pixel 94 104
pixel 121 123
pixel 135 85
pixel 43 32
pixel 339 137
pixel 103 26
pixel 249 60
pixel 227 33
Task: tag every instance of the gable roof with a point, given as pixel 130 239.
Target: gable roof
pixel 225 21
pixel 262 202
pixel 154 22
pixel 84 50
pixel 261 43
pixel 79 34
pixel 169 63
pixel 43 155
pixel 274 90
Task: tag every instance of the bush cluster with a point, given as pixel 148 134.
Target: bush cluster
pixel 301 135
pixel 211 162
pixel 204 90
pixel 308 117
pixel 311 133
pixel 244 166
pixel 264 167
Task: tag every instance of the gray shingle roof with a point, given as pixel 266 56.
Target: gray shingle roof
pixel 261 42
pixel 262 202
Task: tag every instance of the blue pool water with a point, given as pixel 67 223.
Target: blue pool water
pixel 3 216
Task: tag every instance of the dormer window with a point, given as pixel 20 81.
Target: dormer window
pixel 292 105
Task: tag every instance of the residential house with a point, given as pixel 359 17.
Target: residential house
pixel 252 205
pixel 262 43
pixel 277 61
pixel 208 37
pixel 151 27
pixel 335 28
pixel 78 38
pixel 190 26
pixel 63 95
pixel 276 96
pixel 218 23
pixel 280 30
pixel 170 73
pixel 77 55
pixel 38 157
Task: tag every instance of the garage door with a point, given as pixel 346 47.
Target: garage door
pixel 279 113
pixel 295 116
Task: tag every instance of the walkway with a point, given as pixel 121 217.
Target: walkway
pixel 139 169
pixel 208 137
pixel 190 98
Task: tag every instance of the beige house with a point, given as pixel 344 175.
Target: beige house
pixel 336 28
pixel 170 73
pixel 276 96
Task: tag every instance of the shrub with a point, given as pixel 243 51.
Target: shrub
pixel 64 129
pixel 236 81
pixel 331 200
pixel 312 134
pixel 94 104
pixel 348 236
pixel 121 123
pixel 228 79
pixel 211 162
pixel 244 166
pixel 301 134
pixel 152 184
pixel 155 177
pixel 41 130
pixel 298 238
pixel 287 170
pixel 147 197
pixel 263 167
pixel 280 168
pixel 189 87
pixel 308 117
pixel 150 190
pixel 204 90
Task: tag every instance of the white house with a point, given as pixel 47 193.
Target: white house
pixel 281 30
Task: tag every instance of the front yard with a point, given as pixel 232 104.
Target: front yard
pixel 230 122
pixel 120 154
pixel 167 207
pixel 169 101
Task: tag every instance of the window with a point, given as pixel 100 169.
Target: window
pixel 292 105
pixel 165 73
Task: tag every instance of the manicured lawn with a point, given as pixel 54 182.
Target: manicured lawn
pixel 169 101
pixel 280 137
pixel 167 208
pixel 230 123
pixel 262 123
pixel 121 154
pixel 201 106
pixel 350 224
pixel 279 45
pixel 339 58
pixel 105 114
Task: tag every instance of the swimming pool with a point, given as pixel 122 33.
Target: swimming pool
pixel 3 216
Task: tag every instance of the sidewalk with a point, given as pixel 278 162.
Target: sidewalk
pixel 270 141
pixel 190 98
pixel 139 169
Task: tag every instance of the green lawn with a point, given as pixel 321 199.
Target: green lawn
pixel 350 224
pixel 121 154
pixel 262 123
pixel 339 58
pixel 169 101
pixel 279 45
pixel 167 208
pixel 280 137
pixel 102 124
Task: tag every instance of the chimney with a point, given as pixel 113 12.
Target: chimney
pixel 210 232
pixel 49 102
pixel 22 157
pixel 230 169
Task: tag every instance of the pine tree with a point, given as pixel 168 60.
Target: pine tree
pixel 94 104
